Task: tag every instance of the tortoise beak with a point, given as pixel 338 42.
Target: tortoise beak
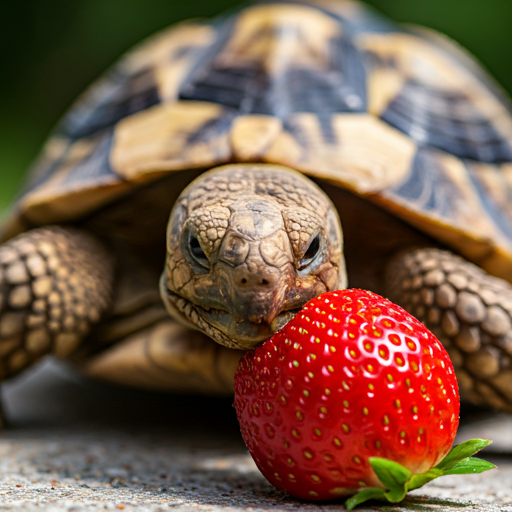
pixel 248 334
pixel 246 330
pixel 220 325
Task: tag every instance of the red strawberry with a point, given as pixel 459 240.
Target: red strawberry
pixel 350 378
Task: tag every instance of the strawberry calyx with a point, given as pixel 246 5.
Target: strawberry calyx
pixel 398 480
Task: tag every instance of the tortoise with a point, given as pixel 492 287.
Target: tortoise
pixel 225 153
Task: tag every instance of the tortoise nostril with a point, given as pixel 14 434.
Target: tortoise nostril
pixel 254 281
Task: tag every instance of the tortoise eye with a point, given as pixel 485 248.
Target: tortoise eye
pixel 311 252
pixel 197 252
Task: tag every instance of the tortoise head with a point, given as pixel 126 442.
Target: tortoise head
pixel 247 247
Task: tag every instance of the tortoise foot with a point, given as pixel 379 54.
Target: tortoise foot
pixel 469 311
pixel 55 283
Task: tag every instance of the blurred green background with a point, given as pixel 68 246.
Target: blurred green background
pixel 52 49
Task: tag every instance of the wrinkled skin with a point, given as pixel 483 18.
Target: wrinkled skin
pixel 248 246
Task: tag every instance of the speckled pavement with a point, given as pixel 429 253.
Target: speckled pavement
pixel 78 446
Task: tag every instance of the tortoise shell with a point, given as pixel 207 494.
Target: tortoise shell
pixel 399 116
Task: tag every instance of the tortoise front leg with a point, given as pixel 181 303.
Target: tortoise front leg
pixel 55 283
pixel 168 356
pixel 468 310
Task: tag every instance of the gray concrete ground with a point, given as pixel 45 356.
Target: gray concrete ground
pixel 76 446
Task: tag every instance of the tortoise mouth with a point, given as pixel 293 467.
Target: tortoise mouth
pixel 223 327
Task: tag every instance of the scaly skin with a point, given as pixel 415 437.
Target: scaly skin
pixel 55 285
pixel 468 310
pixel 247 247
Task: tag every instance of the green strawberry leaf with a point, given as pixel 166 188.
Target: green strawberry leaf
pixel 364 495
pixel 469 466
pixel 457 462
pixel 420 480
pixel 399 480
pixel 392 475
pixel 461 452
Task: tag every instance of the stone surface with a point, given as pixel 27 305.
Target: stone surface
pixel 79 446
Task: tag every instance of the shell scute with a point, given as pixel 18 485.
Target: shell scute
pixel 432 97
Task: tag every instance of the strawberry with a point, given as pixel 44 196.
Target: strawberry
pixel 353 393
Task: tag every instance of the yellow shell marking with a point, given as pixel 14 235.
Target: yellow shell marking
pixel 154 139
pixel 304 34
pixel 369 154
pixel 251 135
pixel 169 73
